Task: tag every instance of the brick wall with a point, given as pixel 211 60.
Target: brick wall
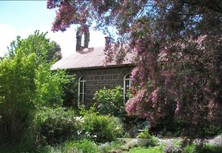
pixel 96 79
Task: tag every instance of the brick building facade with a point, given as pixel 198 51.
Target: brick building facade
pixel 98 78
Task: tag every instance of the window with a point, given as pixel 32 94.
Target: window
pixel 127 83
pixel 81 91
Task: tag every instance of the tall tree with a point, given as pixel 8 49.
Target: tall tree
pixel 178 53
pixel 26 85
pixel 53 54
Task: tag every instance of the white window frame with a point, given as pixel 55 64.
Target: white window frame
pixel 126 78
pixel 83 92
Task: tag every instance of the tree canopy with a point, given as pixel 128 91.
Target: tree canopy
pixel 53 54
pixel 178 53
pixel 26 85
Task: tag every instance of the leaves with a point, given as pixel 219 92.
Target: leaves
pixel 110 101
pixel 27 84
pixel 178 53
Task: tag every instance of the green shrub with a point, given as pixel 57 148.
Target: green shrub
pixel 82 146
pixel 145 134
pixel 86 146
pixel 153 141
pixel 212 129
pixel 189 149
pixel 209 148
pixel 101 128
pixel 110 101
pixel 57 125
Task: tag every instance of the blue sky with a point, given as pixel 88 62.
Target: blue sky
pixel 24 17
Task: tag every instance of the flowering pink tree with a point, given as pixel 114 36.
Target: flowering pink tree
pixel 178 53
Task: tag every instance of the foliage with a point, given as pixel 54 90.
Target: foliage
pixel 101 128
pixel 214 145
pixel 131 131
pixel 70 95
pixel 172 147
pixel 110 101
pixel 157 149
pixel 213 129
pixel 55 52
pixel 209 148
pixel 49 86
pixel 154 141
pixel 114 145
pixel 189 149
pixel 178 53
pixel 145 134
pixel 200 147
pixel 57 124
pixel 84 146
pixel 26 85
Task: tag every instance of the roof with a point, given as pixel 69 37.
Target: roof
pixel 88 58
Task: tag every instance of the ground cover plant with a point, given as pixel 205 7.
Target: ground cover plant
pixel 169 146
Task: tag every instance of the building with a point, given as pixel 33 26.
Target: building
pixel 87 64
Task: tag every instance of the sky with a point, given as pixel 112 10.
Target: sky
pixel 22 18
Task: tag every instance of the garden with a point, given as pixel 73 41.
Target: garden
pixel 176 82
pixel 68 131
pixel 105 128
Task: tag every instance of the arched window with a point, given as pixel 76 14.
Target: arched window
pixel 126 84
pixel 81 91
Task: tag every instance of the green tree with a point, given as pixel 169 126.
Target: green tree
pixel 26 85
pixel 53 54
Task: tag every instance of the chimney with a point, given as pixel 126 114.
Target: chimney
pixel 79 38
pixel 86 38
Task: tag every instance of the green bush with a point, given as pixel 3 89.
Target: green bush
pixel 57 125
pixel 86 146
pixel 189 148
pixel 145 134
pixel 209 148
pixel 154 141
pixel 101 128
pixel 81 146
pixel 110 101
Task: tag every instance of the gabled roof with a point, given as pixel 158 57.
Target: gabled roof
pixel 88 58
